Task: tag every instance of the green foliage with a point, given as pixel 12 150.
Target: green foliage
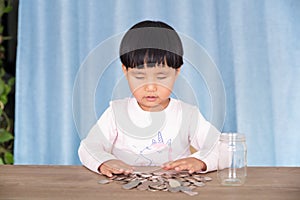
pixel 6 84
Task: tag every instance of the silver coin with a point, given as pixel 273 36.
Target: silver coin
pixel 131 185
pixel 198 184
pixel 191 193
pixel 167 176
pixel 144 175
pixel 192 187
pixel 121 182
pixel 158 186
pixel 183 188
pixel 120 178
pixel 154 177
pixel 128 179
pixel 185 184
pixel 152 190
pixel 104 181
pixel 142 187
pixel 174 189
pixel 207 178
pixel 182 175
pixel 158 173
pixel 191 180
pixel 171 181
pixel 198 178
pixel 174 183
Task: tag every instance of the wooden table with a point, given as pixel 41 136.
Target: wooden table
pixel 77 182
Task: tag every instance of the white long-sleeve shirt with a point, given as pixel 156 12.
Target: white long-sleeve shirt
pixel 142 138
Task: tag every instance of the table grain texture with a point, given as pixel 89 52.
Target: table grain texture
pixel 77 182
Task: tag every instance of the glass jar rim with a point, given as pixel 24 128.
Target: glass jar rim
pixel 233 137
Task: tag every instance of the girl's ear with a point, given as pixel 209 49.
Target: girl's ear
pixel 177 71
pixel 124 69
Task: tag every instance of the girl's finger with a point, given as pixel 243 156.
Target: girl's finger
pixel 106 172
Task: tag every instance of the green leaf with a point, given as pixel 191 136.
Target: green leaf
pixel 2 85
pixel 2 5
pixel 6 38
pixel 7 9
pixel 3 99
pixel 8 158
pixel 1 161
pixel 11 81
pixel 2 48
pixel 5 136
pixel 2 72
pixel 7 89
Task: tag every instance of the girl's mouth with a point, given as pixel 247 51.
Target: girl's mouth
pixel 151 98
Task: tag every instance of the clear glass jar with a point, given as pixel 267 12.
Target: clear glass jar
pixel 232 161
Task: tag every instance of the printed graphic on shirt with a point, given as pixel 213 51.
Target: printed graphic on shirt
pixel 157 146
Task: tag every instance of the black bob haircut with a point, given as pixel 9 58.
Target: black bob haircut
pixel 151 43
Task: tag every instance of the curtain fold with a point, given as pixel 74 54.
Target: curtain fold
pixel 68 71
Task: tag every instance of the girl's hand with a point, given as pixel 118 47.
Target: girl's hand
pixel 111 167
pixel 191 164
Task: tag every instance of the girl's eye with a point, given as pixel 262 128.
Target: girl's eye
pixel 161 77
pixel 139 77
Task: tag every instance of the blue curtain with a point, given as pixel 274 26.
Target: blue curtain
pixel 241 68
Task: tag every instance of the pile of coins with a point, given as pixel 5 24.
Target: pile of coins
pixel 160 181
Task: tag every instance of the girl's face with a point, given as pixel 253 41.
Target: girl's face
pixel 151 86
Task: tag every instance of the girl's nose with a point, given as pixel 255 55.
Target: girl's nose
pixel 150 87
